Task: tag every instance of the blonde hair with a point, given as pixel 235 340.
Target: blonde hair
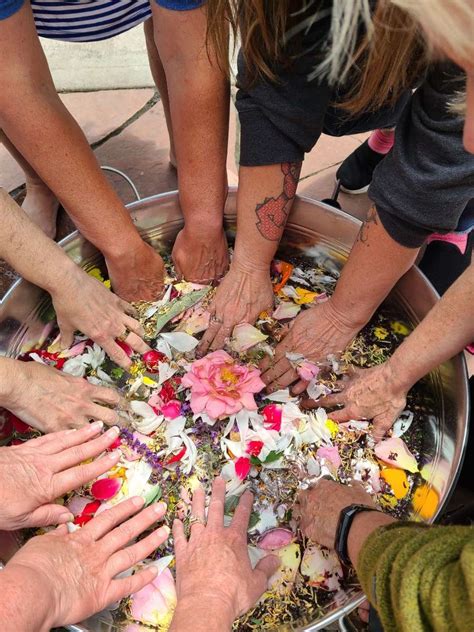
pixel 447 24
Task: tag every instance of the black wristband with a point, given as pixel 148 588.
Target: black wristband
pixel 346 518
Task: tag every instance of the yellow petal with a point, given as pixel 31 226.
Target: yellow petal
pixel 96 273
pixel 399 328
pixel 398 481
pixel 149 382
pixel 304 296
pixel 425 501
pixel 332 426
pixel 380 332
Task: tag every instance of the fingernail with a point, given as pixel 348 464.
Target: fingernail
pixel 113 430
pixel 65 517
pixel 71 430
pixel 138 501
pixel 153 569
pixel 164 531
pixel 159 508
pixel 112 456
pixel 97 425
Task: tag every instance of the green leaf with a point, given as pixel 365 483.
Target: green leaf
pixel 254 460
pixel 254 520
pixel 116 373
pixel 273 456
pixel 231 505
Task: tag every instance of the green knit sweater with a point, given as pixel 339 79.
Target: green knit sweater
pixel 420 578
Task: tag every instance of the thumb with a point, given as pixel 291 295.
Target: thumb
pixel 61 530
pixel 381 425
pixel 268 566
pixel 67 336
pixel 47 515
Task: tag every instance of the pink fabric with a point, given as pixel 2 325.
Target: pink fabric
pixel 382 141
pixel 457 239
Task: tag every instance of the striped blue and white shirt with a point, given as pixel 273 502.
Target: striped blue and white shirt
pixel 90 20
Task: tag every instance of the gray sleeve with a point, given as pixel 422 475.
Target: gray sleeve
pixel 281 121
pixel 425 182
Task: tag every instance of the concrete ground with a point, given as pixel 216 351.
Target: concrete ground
pixel 127 130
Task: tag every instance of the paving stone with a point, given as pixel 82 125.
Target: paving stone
pixel 329 151
pixel 97 113
pixel 321 185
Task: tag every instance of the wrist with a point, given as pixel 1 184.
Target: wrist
pixel 124 245
pixel 245 265
pixel 11 380
pixel 192 609
pixel 399 374
pixel 362 526
pixel 23 580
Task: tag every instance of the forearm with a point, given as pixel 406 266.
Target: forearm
pixel 443 333
pixel 195 614
pixel 27 249
pixel 199 103
pixel 9 373
pixel 17 613
pixel 37 123
pixel 363 525
pixel 375 264
pixel 264 201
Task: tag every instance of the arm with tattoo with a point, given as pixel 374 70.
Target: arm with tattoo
pixel 264 202
pixel 261 218
pixel 375 264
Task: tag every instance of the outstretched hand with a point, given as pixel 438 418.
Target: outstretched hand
pixel 84 304
pixel 368 394
pixel 51 400
pixel 240 298
pixel 78 574
pixel 314 334
pixel 35 473
pixel 213 568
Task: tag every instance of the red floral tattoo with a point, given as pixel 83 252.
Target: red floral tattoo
pixel 273 212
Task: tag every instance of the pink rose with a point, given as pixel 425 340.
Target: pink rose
pixel 220 386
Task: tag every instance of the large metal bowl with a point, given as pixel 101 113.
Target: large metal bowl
pixel 314 229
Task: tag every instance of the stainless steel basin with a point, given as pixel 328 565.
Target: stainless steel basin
pixel 317 230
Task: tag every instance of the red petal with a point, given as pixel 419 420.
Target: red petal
pixel 19 425
pixel 272 417
pixel 127 348
pixel 116 444
pixel 82 520
pixel 106 488
pixel 254 447
pixel 242 467
pixel 152 359
pixel 91 508
pixel 177 457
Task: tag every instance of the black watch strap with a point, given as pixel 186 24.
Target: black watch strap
pixel 346 518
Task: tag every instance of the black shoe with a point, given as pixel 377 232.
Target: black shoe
pixel 355 173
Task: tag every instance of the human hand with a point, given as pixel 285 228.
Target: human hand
pixel 49 400
pixel 201 257
pixel 319 508
pixel 33 474
pixel 75 574
pixel 315 333
pixel 139 276
pixel 240 298
pixel 85 304
pixel 368 394
pixel 213 570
